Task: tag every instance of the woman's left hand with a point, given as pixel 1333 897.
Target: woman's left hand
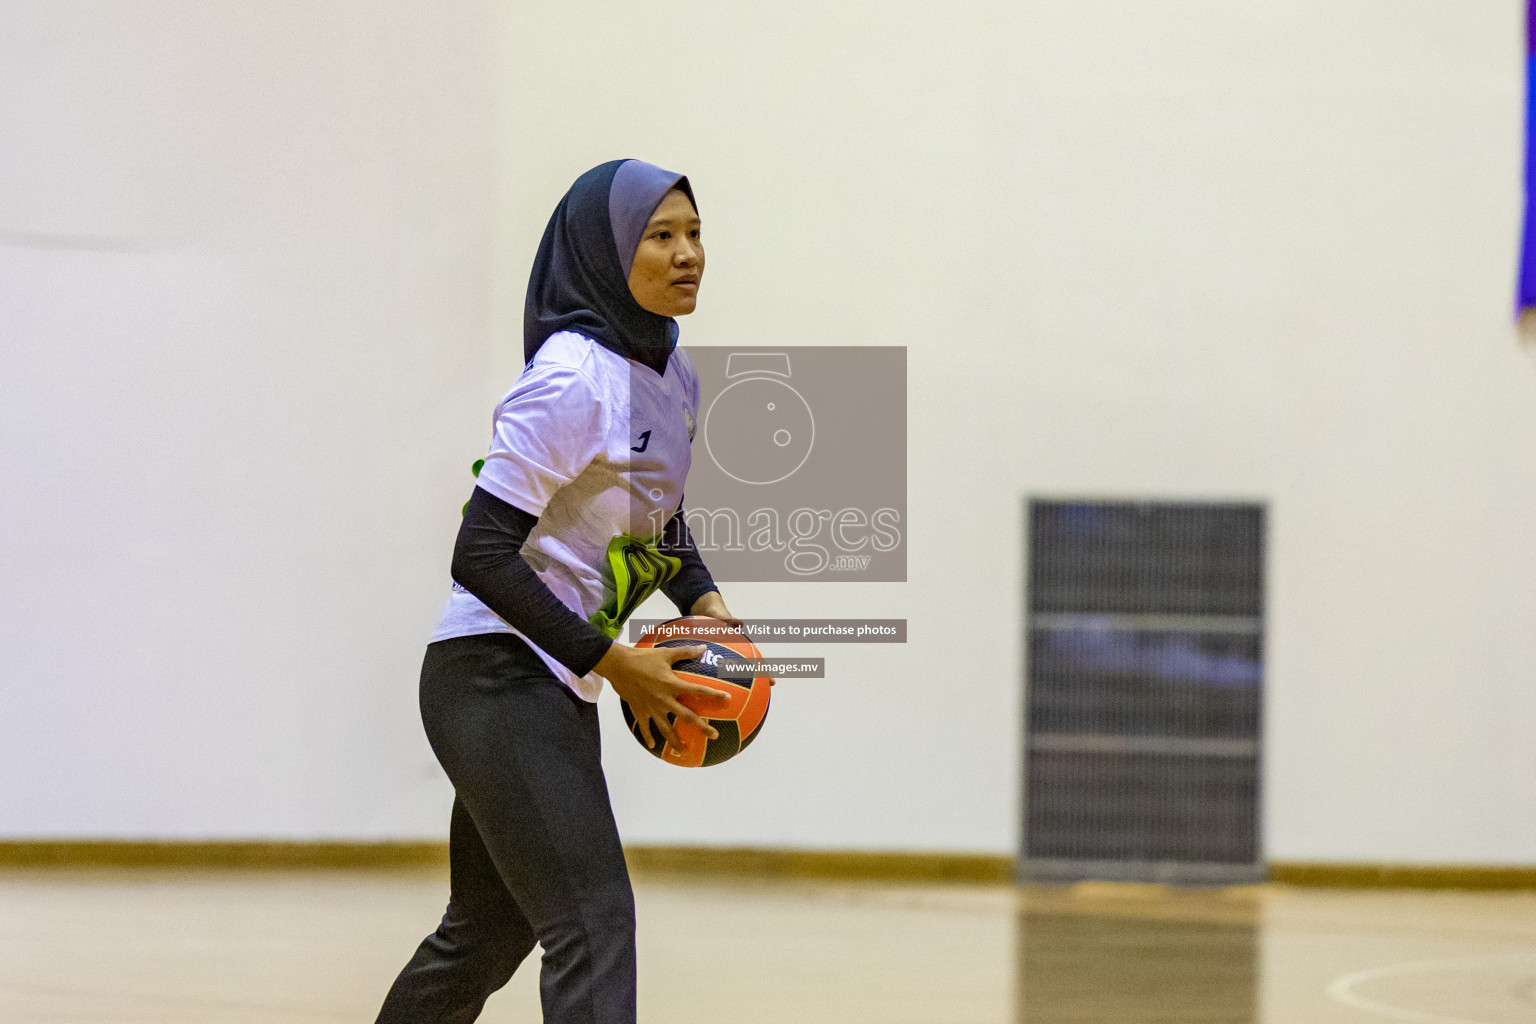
pixel 713 605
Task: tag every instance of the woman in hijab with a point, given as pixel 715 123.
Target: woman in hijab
pixel 576 518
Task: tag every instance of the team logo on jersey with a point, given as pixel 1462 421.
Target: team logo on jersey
pixel 688 419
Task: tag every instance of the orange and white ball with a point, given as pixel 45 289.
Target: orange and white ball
pixel 737 719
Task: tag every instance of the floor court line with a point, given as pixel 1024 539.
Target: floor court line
pixel 1340 989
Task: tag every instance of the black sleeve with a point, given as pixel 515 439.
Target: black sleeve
pixel 693 580
pixel 488 562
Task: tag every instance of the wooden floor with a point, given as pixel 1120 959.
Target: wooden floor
pixel 190 947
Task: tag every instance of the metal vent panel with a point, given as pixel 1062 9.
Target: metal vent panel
pixel 1142 682
pixel 1143 807
pixel 1145 652
pixel 1146 557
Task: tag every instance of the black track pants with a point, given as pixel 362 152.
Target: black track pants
pixel 534 850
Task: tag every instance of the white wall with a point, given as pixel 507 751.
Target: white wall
pixel 262 268
pixel 1270 251
pixel 244 308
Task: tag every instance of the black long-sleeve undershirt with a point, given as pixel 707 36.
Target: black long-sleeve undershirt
pixel 488 562
pixel 693 580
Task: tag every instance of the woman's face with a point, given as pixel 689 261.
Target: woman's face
pixel 669 261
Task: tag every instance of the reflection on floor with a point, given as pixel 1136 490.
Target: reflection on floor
pixel 1079 959
pixel 294 948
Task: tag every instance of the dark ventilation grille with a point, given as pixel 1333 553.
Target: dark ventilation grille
pixel 1153 558
pixel 1145 670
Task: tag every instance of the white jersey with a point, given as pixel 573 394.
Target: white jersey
pixel 598 447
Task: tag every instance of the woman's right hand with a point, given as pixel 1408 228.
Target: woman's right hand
pixel 643 676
